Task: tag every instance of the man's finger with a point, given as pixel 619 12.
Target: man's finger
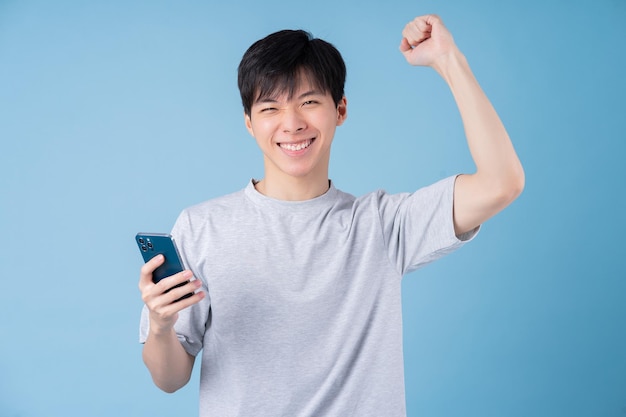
pixel 417 30
pixel 405 46
pixel 170 282
pixel 145 276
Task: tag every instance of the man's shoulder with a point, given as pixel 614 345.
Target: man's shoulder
pixel 223 203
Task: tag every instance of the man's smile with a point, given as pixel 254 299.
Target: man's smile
pixel 296 146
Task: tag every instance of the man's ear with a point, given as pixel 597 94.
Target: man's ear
pixel 248 123
pixel 342 111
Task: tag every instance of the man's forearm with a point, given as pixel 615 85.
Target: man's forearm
pixel 492 151
pixel 169 363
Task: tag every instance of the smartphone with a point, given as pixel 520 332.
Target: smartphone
pixel 153 244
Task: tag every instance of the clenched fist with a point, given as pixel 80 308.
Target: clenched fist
pixel 427 42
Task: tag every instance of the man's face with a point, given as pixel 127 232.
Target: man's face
pixel 295 133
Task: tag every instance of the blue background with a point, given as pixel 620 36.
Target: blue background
pixel 116 115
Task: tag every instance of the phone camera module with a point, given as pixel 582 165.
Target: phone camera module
pixel 144 248
pixel 150 245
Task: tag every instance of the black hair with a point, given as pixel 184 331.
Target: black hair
pixel 275 64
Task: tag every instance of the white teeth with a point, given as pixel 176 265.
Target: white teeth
pixel 296 146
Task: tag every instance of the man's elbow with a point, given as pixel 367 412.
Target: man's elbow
pixel 510 188
pixel 170 387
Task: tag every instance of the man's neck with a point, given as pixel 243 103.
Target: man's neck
pixel 292 189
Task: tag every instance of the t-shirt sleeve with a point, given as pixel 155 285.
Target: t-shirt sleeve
pixel 191 324
pixel 418 227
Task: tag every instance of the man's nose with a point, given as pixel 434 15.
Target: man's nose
pixel 293 121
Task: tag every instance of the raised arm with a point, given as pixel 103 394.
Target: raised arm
pixel 499 176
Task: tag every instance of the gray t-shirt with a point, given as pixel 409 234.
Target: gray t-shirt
pixel 303 309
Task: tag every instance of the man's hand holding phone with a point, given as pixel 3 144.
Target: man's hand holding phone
pixel 168 296
pixel 166 287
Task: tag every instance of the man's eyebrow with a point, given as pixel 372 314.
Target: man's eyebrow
pixel 310 93
pixel 271 100
pixel 266 99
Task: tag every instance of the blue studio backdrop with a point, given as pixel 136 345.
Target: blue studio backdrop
pixel 115 115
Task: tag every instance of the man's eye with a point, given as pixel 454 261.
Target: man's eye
pixel 310 102
pixel 268 109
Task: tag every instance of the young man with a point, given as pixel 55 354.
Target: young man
pixel 297 285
